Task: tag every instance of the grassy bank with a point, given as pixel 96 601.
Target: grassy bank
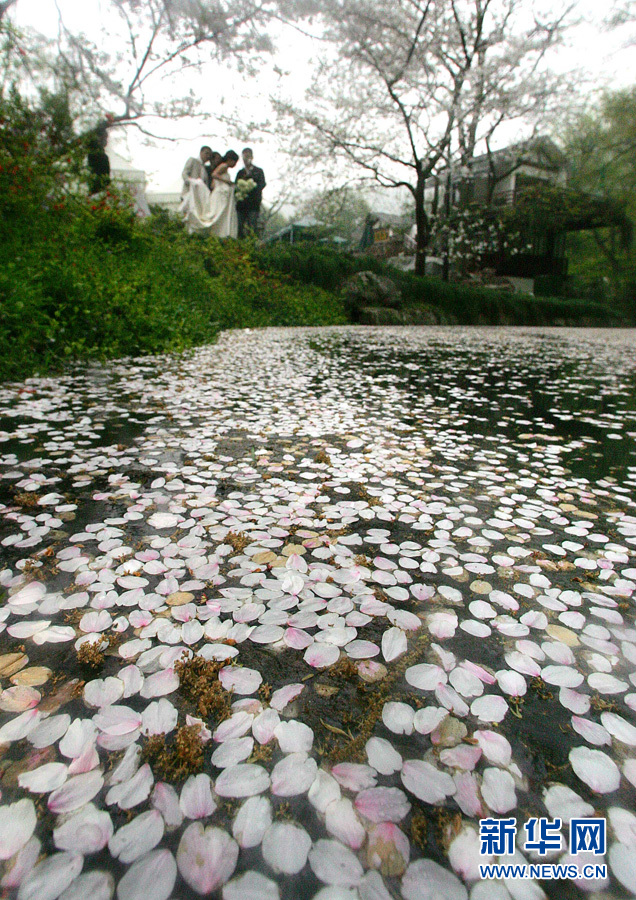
pixel 431 299
pixel 102 284
pixel 83 278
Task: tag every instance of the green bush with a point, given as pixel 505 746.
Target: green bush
pixel 330 269
pixel 83 277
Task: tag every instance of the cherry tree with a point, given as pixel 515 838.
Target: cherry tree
pixel 133 73
pixel 405 88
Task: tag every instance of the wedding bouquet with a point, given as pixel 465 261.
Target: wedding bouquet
pixel 244 187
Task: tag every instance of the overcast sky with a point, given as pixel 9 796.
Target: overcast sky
pixel 600 56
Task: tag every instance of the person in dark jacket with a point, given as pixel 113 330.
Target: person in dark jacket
pixel 248 208
pixel 97 159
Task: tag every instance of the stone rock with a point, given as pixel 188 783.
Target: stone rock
pixel 412 315
pixel 369 289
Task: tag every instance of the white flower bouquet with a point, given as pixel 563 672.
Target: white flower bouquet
pixel 244 187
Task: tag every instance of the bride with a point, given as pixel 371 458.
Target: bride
pixel 214 209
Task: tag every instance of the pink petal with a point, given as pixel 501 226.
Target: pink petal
pixel 383 804
pixel 343 824
pixel 354 776
pixel 196 797
pixel 426 782
pixel 206 857
pixel 76 792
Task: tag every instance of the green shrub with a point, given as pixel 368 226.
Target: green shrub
pixel 305 263
pixel 83 277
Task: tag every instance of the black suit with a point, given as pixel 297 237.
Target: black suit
pixel 247 210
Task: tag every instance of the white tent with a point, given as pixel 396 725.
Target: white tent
pixel 133 180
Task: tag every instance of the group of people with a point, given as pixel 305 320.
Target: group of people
pixel 213 202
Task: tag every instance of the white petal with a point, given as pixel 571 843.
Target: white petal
pixel 96 885
pixel 596 769
pixel 243 780
pixel 103 691
pixel 383 804
pixel 427 719
pixel 619 728
pixel 196 797
pixel 17 824
pixel 394 644
pixel 294 737
pixel 44 779
pixel 132 792
pixel 489 708
pixel 496 748
pixel 51 876
pixel 21 864
pixel 159 717
pixel 383 756
pixel 206 857
pixel 324 790
pixel 252 821
pixel 293 775
pixel 76 792
pixel 150 878
pixel 264 725
pixel 166 800
pixel 623 865
pixel 334 864
pixel 285 847
pixel 137 837
pixel 426 782
pixel 232 752
pixel 426 677
pixel 86 831
pixel 251 886
pixel 562 801
pixel 426 880
pixel 498 790
pixel 398 717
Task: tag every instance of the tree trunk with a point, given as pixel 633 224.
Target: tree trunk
pixel 4 6
pixel 421 225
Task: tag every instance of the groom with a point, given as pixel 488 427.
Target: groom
pixel 196 168
pixel 248 209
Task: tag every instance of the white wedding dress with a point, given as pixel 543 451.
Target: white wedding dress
pixel 213 211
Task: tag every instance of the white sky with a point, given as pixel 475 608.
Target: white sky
pixel 602 59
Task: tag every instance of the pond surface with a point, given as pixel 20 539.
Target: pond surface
pixel 287 616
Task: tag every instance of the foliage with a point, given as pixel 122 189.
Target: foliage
pixel 342 210
pixel 468 234
pixel 600 143
pixel 448 303
pixel 81 277
pixel 150 45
